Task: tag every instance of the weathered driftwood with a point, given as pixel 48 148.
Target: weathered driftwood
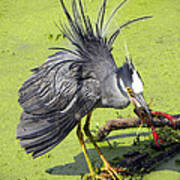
pixel 124 123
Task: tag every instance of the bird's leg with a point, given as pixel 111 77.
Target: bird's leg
pixel 84 149
pixel 108 167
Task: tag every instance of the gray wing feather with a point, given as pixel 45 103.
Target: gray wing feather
pixel 46 90
pixel 54 100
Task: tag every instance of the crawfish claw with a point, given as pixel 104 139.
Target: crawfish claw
pixel 157 138
pixel 168 116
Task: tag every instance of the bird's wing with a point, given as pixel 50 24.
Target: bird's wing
pixel 46 90
pixel 54 100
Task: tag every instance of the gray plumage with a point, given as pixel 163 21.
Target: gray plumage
pixel 71 83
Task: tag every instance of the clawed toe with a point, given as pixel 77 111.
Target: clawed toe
pixel 110 172
pixel 105 173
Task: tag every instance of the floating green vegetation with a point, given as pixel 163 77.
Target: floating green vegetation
pixel 27 30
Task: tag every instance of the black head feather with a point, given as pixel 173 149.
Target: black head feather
pixel 80 30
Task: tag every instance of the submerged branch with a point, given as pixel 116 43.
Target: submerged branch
pixel 144 162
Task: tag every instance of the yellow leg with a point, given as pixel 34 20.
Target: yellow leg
pixel 92 174
pixel 108 167
pixel 84 149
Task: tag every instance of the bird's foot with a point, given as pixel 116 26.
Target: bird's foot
pixel 110 172
pixel 105 173
pixel 93 177
pixel 168 116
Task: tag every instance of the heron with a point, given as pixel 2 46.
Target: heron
pixel 74 82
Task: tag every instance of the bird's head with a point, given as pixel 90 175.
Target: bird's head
pixel 130 83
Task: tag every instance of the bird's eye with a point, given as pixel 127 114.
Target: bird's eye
pixel 129 89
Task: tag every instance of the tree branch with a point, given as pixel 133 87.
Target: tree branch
pixel 124 123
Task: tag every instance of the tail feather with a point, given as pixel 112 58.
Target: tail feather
pixel 48 136
pixel 29 127
pixel 26 143
pixel 41 151
pixel 51 142
pixel 40 136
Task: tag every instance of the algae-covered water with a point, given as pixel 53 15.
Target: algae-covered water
pixel 27 30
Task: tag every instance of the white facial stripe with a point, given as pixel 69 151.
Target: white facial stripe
pixel 122 85
pixel 137 84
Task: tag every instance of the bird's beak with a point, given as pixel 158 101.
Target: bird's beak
pixel 139 102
